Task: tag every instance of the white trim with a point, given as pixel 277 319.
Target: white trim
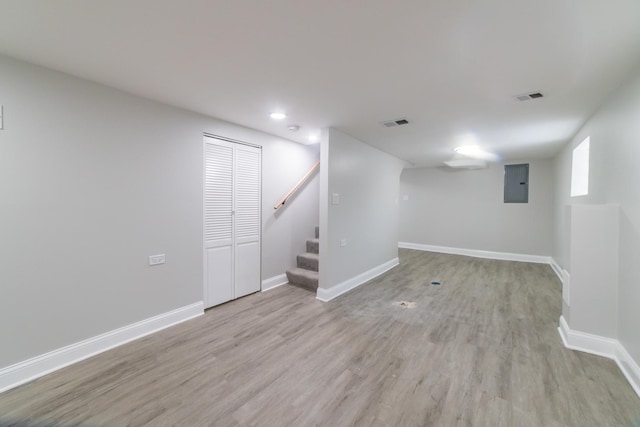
pixel 28 370
pixel 339 289
pixel 556 269
pixel 585 342
pixel 602 346
pixel 506 256
pixel 629 367
pixel 566 287
pixel 564 277
pixel 274 282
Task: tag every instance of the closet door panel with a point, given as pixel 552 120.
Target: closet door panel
pixel 218 222
pixel 247 219
pixel 247 268
pixel 219 275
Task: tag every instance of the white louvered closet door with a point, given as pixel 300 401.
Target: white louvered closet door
pixel 231 220
pixel 247 219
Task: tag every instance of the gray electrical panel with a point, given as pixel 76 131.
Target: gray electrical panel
pixel 516 183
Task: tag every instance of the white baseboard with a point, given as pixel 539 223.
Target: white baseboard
pixel 564 277
pixel 274 282
pixel 629 367
pixel 506 256
pixel 602 346
pixel 566 287
pixel 28 370
pixel 594 344
pixel 556 269
pixel 339 289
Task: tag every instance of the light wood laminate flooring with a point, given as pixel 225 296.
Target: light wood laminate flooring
pixel 481 349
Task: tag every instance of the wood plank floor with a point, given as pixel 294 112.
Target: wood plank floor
pixel 481 349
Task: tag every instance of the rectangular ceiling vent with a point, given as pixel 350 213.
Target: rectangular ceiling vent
pixel 528 96
pixel 398 122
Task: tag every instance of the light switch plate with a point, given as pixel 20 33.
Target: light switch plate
pixel 343 243
pixel 335 199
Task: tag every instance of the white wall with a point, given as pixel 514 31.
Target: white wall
pixel 92 182
pixel 367 181
pixel 614 178
pixel 594 269
pixel 464 209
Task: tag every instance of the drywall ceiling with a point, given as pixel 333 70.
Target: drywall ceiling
pixel 451 67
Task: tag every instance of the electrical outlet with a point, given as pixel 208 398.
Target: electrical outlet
pixel 156 259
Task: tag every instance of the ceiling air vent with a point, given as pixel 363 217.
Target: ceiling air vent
pixel 398 122
pixel 528 96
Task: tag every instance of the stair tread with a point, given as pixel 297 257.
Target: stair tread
pixel 304 272
pixel 316 240
pixel 310 255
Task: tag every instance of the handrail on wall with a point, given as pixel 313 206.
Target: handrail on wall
pixel 297 186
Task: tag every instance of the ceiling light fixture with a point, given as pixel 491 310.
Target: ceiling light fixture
pixel 314 138
pixel 475 152
pixel 469 150
pixel 466 164
pixel 278 116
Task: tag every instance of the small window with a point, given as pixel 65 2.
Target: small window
pixel 580 169
pixel 516 183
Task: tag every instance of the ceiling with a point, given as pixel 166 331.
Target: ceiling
pixel 450 67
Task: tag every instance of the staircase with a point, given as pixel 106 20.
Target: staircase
pixel 306 274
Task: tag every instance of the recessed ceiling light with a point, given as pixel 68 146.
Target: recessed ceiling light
pixel 466 164
pixel 313 138
pixel 469 150
pixel 475 152
pixel 278 116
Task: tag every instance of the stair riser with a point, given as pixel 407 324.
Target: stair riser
pixel 307 263
pixel 303 282
pixel 313 247
pixel 317 232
